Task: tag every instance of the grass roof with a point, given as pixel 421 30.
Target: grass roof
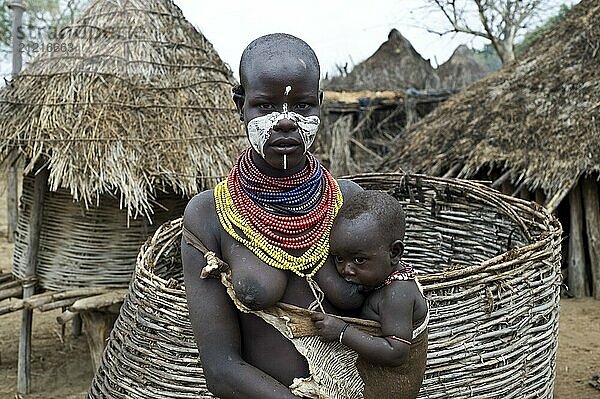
pixel 538 118
pixel 129 99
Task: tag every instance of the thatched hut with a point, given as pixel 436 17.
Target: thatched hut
pixel 119 121
pixel 130 112
pixel 396 65
pixel 461 69
pixel 534 125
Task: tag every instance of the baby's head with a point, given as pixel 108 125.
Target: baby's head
pixel 366 238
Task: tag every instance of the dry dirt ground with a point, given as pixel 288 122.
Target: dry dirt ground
pixel 61 366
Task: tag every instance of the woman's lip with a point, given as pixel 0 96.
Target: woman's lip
pixel 284 149
pixel 285 142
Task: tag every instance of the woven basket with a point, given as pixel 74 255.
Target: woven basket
pixel 490 266
pixel 86 247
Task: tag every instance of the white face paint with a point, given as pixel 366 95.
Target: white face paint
pixel 260 128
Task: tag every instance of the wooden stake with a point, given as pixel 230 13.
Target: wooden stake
pixel 576 281
pixel 12 194
pixel 35 224
pixel 97 327
pixel 76 327
pixel 591 205
pixel 18 8
pixel 410 109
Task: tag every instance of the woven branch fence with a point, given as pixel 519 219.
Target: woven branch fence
pixel 490 266
pixel 94 247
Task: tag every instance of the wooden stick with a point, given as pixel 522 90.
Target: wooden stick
pixel 14 292
pixel 58 304
pixel 5 277
pixel 410 109
pixel 35 223
pixel 48 297
pixel 18 8
pixel 65 316
pixel 577 286
pixel 559 196
pixel 12 195
pixel 99 301
pixel 452 171
pixel 518 190
pixel 11 306
pixel 9 284
pixel 76 328
pixel 498 182
pixel 591 205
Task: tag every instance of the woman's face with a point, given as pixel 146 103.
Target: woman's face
pixel 281 111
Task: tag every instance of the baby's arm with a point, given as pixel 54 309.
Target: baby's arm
pixel 395 309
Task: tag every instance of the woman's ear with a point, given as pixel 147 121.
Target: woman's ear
pixel 239 98
pixel 396 251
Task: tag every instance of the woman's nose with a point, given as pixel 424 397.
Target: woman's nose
pixel 284 125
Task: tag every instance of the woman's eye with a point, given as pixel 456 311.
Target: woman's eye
pixel 359 261
pixel 338 259
pixel 302 106
pixel 266 107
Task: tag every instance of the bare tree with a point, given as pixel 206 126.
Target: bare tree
pixel 498 21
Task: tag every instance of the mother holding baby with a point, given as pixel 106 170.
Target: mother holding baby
pixel 270 220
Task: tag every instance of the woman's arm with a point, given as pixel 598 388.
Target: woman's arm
pixel 214 317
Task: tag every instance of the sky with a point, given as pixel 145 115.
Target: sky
pixel 340 31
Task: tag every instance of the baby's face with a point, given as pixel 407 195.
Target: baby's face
pixel 361 253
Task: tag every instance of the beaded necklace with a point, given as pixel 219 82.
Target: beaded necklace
pixel 406 273
pixel 270 215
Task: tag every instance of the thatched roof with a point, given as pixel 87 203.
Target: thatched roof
pixel 131 99
pixel 538 118
pixel 461 69
pixel 396 65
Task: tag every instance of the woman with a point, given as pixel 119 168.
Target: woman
pixel 270 221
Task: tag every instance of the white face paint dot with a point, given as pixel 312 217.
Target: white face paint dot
pixel 287 90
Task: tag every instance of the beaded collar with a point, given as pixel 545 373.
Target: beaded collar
pixel 270 215
pixel 405 273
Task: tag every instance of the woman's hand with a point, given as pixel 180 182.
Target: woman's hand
pixel 328 327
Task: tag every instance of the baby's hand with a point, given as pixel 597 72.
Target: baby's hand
pixel 328 327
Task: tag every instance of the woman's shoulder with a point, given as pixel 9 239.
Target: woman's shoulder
pixel 200 204
pixel 200 215
pixel 348 187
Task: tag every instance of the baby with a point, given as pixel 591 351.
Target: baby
pixel 366 242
